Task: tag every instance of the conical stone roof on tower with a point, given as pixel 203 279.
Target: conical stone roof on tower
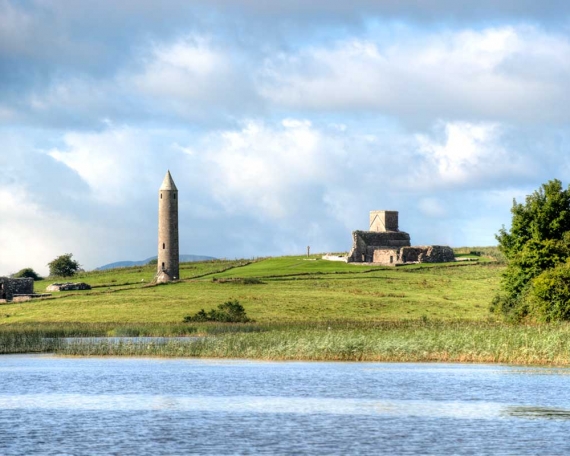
pixel 168 249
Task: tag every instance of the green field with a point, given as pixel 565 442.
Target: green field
pixel 291 289
pixel 303 309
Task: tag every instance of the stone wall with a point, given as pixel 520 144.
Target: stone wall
pixel 416 254
pixel 10 287
pixel 386 256
pixel 428 254
pixel 364 243
pixel 384 248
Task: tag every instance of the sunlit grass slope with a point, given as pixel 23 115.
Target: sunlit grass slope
pixel 292 290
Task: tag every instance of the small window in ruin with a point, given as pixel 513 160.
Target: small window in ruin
pixel 163 265
pixel 163 246
pixel 174 195
pixel 391 259
pixel 161 196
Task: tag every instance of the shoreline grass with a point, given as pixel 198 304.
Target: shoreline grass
pixel 421 340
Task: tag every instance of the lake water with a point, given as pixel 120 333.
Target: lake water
pixel 76 406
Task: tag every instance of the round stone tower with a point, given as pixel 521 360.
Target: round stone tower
pixel 168 253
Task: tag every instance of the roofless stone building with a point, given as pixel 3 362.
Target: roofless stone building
pixel 168 250
pixel 385 244
pixel 13 288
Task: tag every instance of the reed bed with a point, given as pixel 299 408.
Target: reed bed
pixel 407 341
pixel 27 342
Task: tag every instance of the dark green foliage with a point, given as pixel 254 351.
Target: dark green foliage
pixel 63 266
pixel 538 241
pixel 544 215
pixel 153 261
pixel 549 296
pixel 228 312
pixel 27 273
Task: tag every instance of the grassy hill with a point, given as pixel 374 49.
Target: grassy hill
pixel 287 289
pixel 304 309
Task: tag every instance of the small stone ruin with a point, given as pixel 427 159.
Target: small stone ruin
pixel 385 244
pixel 68 286
pixel 15 289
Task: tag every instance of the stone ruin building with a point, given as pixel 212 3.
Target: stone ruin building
pixel 14 288
pixel 385 244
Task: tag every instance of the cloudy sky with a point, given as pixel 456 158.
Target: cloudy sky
pixel 283 123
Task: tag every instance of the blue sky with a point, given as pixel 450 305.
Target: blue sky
pixel 283 123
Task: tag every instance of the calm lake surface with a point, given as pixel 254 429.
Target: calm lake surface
pixel 76 406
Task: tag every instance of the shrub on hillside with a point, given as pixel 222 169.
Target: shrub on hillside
pixel 27 273
pixel 228 312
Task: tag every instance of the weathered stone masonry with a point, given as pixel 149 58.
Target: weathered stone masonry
pixel 365 243
pixel 385 244
pixel 168 250
pixel 13 287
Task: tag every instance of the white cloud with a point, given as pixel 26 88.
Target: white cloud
pixel 193 76
pixel 468 151
pixel 115 163
pixel 263 168
pixel 496 73
pixel 460 154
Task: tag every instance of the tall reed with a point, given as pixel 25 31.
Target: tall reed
pixel 408 342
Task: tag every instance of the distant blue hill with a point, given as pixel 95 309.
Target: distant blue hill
pixel 126 264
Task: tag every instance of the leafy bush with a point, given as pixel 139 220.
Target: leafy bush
pixel 549 296
pixel 63 266
pixel 539 240
pixel 27 273
pixel 228 312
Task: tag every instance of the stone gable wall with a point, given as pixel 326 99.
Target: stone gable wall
pixel 383 221
pixel 392 248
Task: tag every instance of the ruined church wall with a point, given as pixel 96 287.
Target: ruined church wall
pixel 364 243
pixel 11 287
pixel 386 256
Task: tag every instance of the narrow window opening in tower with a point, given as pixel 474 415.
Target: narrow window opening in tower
pixel 163 265
pixel 161 196
pixel 163 246
pixel 174 194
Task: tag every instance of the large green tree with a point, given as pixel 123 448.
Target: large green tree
pixel 538 241
pixel 63 266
